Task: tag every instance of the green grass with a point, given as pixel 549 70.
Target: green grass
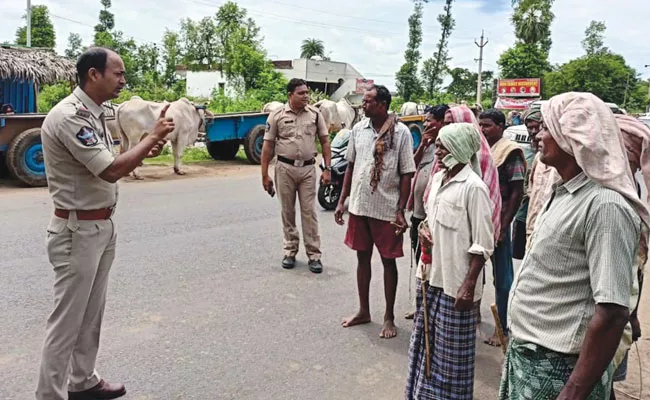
pixel 191 155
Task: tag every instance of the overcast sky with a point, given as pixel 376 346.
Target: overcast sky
pixel 370 35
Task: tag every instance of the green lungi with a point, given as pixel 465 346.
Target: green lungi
pixel 532 372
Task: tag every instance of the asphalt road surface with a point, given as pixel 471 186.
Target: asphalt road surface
pixel 199 307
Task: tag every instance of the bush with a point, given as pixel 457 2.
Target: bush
pixel 50 95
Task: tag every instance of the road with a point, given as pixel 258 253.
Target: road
pixel 199 307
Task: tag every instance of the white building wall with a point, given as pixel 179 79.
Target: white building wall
pixel 202 83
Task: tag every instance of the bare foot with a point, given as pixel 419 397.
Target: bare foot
pixel 389 330
pixel 493 340
pixel 179 172
pixel 358 319
pixel 138 178
pixel 409 315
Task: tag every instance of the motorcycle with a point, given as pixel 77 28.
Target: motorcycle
pixel 328 195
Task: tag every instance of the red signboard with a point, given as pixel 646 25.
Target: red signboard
pixel 363 84
pixel 527 87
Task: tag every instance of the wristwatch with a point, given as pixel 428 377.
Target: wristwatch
pixel 328 168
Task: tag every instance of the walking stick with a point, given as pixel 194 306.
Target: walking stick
pixel 426 328
pixel 497 321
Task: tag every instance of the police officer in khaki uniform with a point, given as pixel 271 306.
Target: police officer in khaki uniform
pixel 292 130
pixel 82 173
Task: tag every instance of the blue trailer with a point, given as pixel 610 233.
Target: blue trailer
pixel 22 71
pixel 224 133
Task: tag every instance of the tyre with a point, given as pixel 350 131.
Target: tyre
pixel 328 196
pixel 25 158
pixel 253 144
pixel 416 133
pixel 226 150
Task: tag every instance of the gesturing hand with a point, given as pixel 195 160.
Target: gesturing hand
pixel 163 125
pixel 157 149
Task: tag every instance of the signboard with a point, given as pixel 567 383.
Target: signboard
pixel 519 87
pixel 363 84
pixel 511 103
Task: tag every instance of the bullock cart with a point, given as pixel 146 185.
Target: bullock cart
pixel 22 72
pixel 415 123
pixel 225 132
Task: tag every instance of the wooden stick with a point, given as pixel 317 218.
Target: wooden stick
pixel 499 330
pixel 426 328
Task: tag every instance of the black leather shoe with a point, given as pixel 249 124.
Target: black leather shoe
pixel 316 266
pixel 288 262
pixel 103 390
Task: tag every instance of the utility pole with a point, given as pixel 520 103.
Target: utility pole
pixel 646 66
pixel 29 23
pixel 479 84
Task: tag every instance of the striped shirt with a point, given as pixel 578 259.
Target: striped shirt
pixel 398 161
pixel 582 254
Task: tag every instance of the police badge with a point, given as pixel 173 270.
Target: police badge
pixel 87 136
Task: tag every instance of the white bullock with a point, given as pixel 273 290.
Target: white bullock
pixel 337 115
pixel 409 108
pixel 136 118
pixel 272 106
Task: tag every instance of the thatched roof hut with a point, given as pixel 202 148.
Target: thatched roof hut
pixel 42 66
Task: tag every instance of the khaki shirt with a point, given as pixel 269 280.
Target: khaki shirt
pixel 295 133
pixel 76 149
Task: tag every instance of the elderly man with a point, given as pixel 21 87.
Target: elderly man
pixel 378 181
pixel 459 236
pixel 570 298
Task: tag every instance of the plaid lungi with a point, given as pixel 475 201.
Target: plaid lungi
pixel 533 372
pixel 452 343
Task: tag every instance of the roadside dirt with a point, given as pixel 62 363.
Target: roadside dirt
pixel 162 172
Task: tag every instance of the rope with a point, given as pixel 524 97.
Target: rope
pixel 631 396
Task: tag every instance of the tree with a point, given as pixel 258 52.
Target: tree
pixel 532 20
pixel 75 46
pixel 201 49
pixel 594 38
pixel 42 30
pixel 523 61
pixel 311 48
pixel 106 18
pixel 406 78
pixel 604 74
pixel 463 84
pixel 528 58
pixel 435 67
pixel 171 56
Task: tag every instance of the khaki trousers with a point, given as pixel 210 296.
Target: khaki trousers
pixel 301 180
pixel 81 253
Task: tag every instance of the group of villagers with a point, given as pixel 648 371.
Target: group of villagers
pixel 567 314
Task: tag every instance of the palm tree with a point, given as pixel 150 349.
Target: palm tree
pixel 312 47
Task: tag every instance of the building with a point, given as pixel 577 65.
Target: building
pixel 336 79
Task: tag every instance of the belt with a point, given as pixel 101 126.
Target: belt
pixel 86 215
pixel 297 163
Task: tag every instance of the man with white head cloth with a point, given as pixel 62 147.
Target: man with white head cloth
pixel 460 239
pixel 570 298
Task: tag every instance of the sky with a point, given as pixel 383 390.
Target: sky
pixel 369 35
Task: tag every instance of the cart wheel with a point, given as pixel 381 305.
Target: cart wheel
pixel 416 133
pixel 226 150
pixel 253 144
pixel 25 158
